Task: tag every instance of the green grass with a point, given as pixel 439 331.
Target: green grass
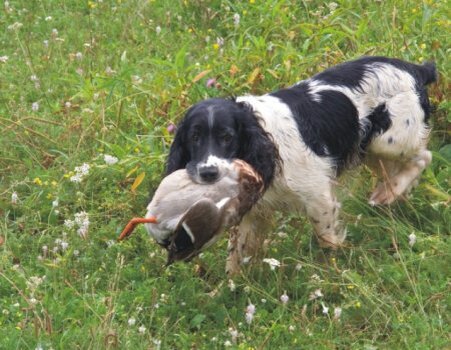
pixel 136 73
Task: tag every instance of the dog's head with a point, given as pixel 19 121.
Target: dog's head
pixel 215 130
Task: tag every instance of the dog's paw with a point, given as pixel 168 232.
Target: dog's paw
pixel 332 241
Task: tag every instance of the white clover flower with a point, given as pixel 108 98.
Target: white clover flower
pixel 157 343
pixel 136 79
pixel 220 41
pixel 69 223
pixel 158 30
pixel 236 19
pixel 79 56
pixel 232 285
pixel 337 313
pixel 234 334
pixel 68 104
pixel 332 6
pixel 315 294
pixel 64 245
pixel 325 309
pixel 110 160
pixel 55 203
pixel 80 172
pixel 249 317
pixel 48 18
pixel 273 263
pixel 55 249
pixel 284 298
pixel 46 43
pixel 35 106
pixel 292 328
pixel 109 71
pixel 227 343
pixel 412 239
pixel 33 301
pixel 263 300
pixel 45 249
pixel 250 309
pixel 14 198
pixel 76 252
pixel 15 26
pixel 3 59
pixel 131 321
pixel 54 32
pixel 298 267
pixel 142 329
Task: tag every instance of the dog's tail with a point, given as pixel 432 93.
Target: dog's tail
pixel 427 72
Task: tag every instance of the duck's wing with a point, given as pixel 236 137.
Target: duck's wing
pixel 199 225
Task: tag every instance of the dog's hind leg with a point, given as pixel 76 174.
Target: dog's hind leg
pixel 399 155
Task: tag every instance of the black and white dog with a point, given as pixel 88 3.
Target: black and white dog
pixel 372 110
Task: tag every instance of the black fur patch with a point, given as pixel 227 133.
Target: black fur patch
pixel 376 123
pixel 329 127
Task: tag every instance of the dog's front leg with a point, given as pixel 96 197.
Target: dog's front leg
pixel 246 241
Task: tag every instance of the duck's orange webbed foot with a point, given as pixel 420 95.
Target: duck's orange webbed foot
pixel 127 231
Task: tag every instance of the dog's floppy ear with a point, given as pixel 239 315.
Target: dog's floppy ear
pixel 178 154
pixel 257 147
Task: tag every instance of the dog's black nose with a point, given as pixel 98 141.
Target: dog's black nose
pixel 209 173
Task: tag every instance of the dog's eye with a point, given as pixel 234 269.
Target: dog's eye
pixel 227 138
pixel 195 137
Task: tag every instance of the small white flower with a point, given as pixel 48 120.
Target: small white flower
pixel 35 106
pixel 33 301
pixel 337 313
pixel 273 263
pixel 46 43
pixel 156 306
pixel 157 343
pixel 131 321
pixel 298 267
pixel 48 18
pixel 236 19
pixel 233 333
pixel 315 294
pixel 284 298
pixel 412 239
pixel 15 26
pixel 110 243
pixel 142 329
pixel 3 59
pixel 158 30
pixel 249 317
pixel 64 245
pixel 332 6
pixel 45 249
pixel 55 249
pixel 232 285
pixel 39 347
pixel 69 223
pixel 110 160
pixel 220 41
pixel 79 56
pixel 55 203
pixel 292 328
pixel 136 79
pixel 54 33
pixel 76 252
pixel 68 105
pixel 325 309
pixel 250 308
pixel 109 71
pixel 14 198
pixel 227 343
pixel 263 301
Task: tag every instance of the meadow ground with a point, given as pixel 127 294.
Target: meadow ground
pixel 89 93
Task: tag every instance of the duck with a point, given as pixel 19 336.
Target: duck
pixel 186 217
